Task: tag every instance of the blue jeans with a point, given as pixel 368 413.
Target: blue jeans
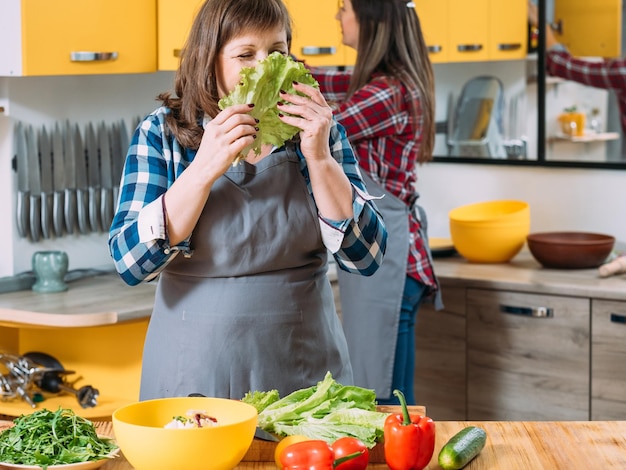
pixel 404 362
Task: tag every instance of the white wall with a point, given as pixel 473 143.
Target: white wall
pixel 560 199
pixel 42 101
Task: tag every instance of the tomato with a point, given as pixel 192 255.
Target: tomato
pixel 284 442
pixel 350 445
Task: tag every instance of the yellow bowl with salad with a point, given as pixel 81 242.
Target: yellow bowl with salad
pixel 194 433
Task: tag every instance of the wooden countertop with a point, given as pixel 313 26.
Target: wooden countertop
pixel 94 301
pixel 510 445
pixel 524 274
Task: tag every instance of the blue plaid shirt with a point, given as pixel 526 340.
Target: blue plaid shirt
pixel 138 239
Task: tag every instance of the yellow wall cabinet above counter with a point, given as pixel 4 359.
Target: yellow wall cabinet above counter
pixel 474 30
pixel 75 37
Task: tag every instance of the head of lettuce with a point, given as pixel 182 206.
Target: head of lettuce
pixel 261 85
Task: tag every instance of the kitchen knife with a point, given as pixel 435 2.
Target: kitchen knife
pixel 23 195
pixel 58 181
pixel 106 192
pixel 82 192
pixel 69 207
pixel 116 160
pixel 45 165
pixel 124 144
pixel 93 178
pixel 34 184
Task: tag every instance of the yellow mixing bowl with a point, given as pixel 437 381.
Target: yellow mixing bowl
pixel 147 445
pixel 491 231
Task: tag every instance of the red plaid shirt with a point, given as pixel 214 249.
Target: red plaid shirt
pixel 386 143
pixel 609 74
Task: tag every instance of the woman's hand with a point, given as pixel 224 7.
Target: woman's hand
pixel 225 136
pixel 533 15
pixel 312 114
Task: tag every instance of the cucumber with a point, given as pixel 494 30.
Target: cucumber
pixel 462 448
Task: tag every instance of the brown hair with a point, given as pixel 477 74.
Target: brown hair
pixel 391 42
pixel 195 85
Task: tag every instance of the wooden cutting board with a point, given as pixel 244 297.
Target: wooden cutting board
pixel 263 451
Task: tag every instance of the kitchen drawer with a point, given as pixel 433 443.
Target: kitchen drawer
pixel 608 367
pixel 525 367
pixel 75 37
pixel 440 381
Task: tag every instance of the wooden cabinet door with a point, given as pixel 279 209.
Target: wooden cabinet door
pixel 433 17
pixel 468 30
pixel 508 29
pixel 317 34
pixel 174 21
pixel 75 37
pixel 523 367
pixel 608 364
pixel 440 382
pixel 590 28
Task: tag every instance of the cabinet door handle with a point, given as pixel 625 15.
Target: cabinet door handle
pixel 535 312
pixel 316 50
pixel 88 56
pixel 435 49
pixel 469 47
pixel 177 52
pixel 617 318
pixel 509 47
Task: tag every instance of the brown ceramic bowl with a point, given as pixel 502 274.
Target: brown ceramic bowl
pixel 570 250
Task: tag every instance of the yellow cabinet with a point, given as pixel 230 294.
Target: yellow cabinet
pixel 590 28
pixel 75 37
pixel 468 30
pixel 174 21
pixel 474 30
pixel 508 29
pixel 433 17
pixel 317 35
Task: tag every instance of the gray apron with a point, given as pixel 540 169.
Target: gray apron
pixel 371 305
pixel 252 309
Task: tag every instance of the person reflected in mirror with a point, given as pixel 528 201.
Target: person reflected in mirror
pixel 387 105
pixel 608 74
pixel 240 251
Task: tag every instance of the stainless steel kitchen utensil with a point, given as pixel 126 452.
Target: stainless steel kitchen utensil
pixel 106 192
pixel 116 160
pixel 23 195
pixel 82 191
pixel 34 184
pixel 45 165
pixel 58 181
pixel 93 177
pixel 69 165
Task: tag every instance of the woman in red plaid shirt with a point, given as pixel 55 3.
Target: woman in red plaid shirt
pixel 387 105
pixel 609 74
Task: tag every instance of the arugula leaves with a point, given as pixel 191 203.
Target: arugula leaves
pixel 46 438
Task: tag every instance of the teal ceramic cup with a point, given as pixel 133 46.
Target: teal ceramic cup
pixel 50 268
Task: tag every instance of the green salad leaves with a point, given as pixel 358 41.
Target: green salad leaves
pixel 324 411
pixel 260 86
pixel 46 438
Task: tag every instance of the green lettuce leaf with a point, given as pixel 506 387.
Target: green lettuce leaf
pixel 261 85
pixel 327 411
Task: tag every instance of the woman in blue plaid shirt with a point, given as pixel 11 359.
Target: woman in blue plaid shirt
pixel 243 302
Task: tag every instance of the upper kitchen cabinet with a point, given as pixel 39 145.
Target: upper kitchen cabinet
pixel 433 16
pixel 75 37
pixel 174 21
pixel 317 35
pixel 589 29
pixel 473 31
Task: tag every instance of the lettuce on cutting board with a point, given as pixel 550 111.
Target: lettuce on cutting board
pixel 324 411
pixel 261 85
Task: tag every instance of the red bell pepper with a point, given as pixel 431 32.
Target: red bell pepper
pixel 409 439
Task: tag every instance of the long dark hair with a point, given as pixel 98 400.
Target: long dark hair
pixel 391 42
pixel 195 85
